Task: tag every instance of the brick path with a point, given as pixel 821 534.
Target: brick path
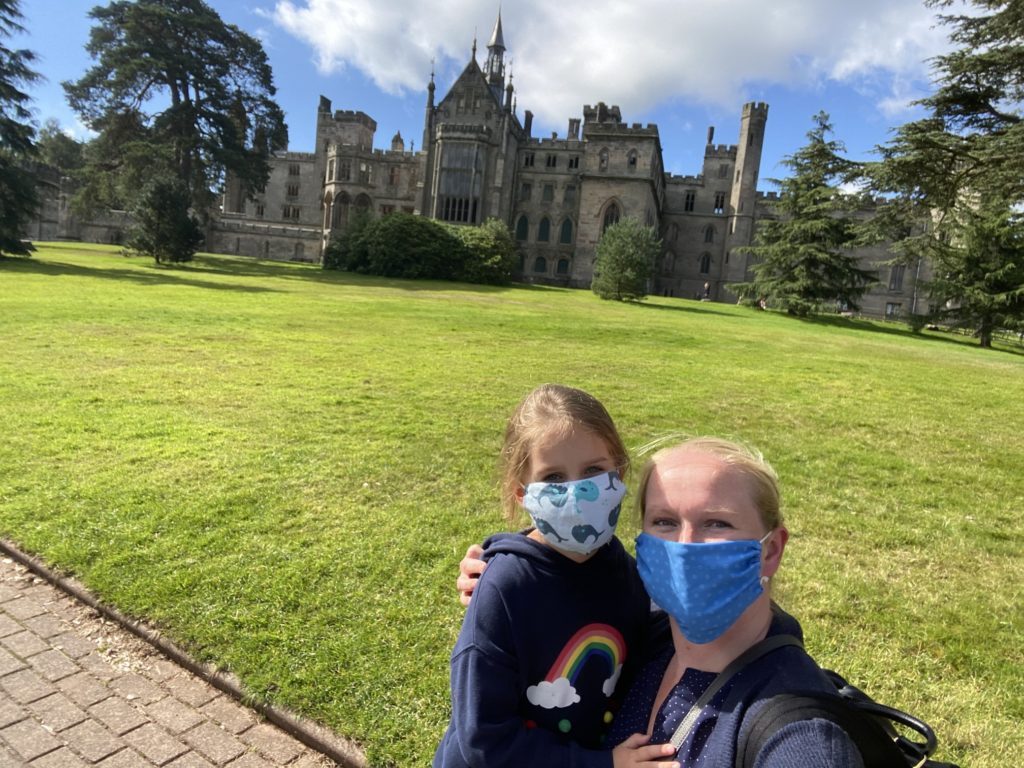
pixel 77 690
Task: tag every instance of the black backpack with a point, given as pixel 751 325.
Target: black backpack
pixel 885 737
pixel 871 726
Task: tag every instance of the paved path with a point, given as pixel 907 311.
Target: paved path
pixel 77 690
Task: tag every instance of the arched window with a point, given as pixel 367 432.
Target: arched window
pixel 668 263
pixel 522 228
pixel 603 160
pixel 565 235
pixel 540 264
pixel 705 263
pixel 364 203
pixel 611 216
pixel 709 234
pixel 563 267
pixel 544 230
pixel 631 160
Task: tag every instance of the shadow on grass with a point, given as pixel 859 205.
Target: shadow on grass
pixel 693 307
pixel 149 275
pixel 898 329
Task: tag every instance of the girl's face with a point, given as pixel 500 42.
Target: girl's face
pixel 559 459
pixel 693 497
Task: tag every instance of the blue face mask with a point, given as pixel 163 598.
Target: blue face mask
pixel 580 515
pixel 704 587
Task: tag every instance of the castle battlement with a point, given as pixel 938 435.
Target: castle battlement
pixel 689 180
pixel 768 196
pixel 720 151
pixel 354 116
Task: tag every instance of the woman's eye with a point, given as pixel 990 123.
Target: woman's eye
pixel 718 524
pixel 663 522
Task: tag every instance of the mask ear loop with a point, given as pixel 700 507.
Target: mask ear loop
pixel 765 579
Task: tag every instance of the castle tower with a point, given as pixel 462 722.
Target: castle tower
pixel 744 189
pixel 494 69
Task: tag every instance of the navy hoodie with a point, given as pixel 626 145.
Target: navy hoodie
pixel 540 658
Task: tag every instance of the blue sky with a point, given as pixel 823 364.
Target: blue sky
pixel 683 64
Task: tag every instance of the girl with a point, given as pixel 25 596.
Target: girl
pixel 559 610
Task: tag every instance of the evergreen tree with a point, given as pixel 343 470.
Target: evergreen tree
pixel 162 225
pixel 625 257
pixel 18 199
pixel 58 149
pixel 174 91
pixel 805 256
pixel 955 179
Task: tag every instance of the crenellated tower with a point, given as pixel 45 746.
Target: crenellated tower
pixel 744 189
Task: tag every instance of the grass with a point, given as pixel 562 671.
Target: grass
pixel 281 467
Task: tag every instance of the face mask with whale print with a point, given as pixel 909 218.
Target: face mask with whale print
pixel 578 516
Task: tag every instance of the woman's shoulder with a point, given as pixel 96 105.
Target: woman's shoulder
pixel 812 743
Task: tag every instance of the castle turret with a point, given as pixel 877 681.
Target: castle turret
pixel 494 69
pixel 744 187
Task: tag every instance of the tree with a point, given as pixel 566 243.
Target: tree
pixel 18 199
pixel 625 256
pixel 162 225
pixel 58 149
pixel 805 255
pixel 175 91
pixel 955 178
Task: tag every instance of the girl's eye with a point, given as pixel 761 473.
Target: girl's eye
pixel 554 477
pixel 593 471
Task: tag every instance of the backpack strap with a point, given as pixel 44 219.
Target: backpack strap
pixel 877 747
pixel 749 656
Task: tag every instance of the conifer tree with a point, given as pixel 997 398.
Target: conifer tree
pixel 626 255
pixel 955 179
pixel 175 91
pixel 805 257
pixel 18 199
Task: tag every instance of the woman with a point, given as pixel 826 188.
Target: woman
pixel 712 540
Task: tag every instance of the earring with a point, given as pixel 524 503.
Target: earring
pixel 764 582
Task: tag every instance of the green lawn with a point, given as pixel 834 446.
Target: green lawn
pixel 281 467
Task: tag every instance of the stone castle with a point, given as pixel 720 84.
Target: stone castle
pixel 478 160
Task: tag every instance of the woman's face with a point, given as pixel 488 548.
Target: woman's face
pixel 694 497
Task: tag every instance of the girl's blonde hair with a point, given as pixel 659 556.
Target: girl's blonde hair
pixel 746 460
pixel 552 410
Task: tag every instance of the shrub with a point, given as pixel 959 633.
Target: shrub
pixel 625 256
pixel 164 227
pixel 490 253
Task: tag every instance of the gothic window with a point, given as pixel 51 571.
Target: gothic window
pixel 528 160
pixel 709 234
pixel 294 169
pixel 896 277
pixel 330 171
pixel 346 170
pixel 365 173
pixel 563 267
pixel 292 190
pixel 565 233
pixel 548 193
pixel 892 310
pixel 393 176
pixel 525 191
pixel 544 230
pixel 689 200
pixel 705 263
pixel 569 197
pixel 386 210
pixel 611 216
pixel 551 161
pixel 259 210
pixel 631 160
pixel 522 228
pixel 461 182
pixel 574 162
pixel 723 171
pixel 540 264
pixel 602 160
pixel 719 202
pixel 364 203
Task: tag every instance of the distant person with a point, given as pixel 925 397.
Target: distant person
pixel 706 293
pixel 712 540
pixel 561 611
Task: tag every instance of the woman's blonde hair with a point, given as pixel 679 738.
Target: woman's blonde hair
pixel 552 410
pixel 746 460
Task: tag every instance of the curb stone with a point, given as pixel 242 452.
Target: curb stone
pixel 342 751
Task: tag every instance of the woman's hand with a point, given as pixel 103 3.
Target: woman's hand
pixel 635 752
pixel 470 568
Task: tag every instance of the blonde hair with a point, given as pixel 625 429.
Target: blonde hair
pixel 744 459
pixel 552 410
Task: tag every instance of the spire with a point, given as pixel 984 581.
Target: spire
pixel 494 70
pixel 497 39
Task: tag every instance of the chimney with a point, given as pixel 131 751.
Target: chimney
pixel 711 134
pixel 528 122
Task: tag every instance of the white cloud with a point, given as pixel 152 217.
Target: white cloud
pixel 636 54
pixel 554 695
pixel 608 688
